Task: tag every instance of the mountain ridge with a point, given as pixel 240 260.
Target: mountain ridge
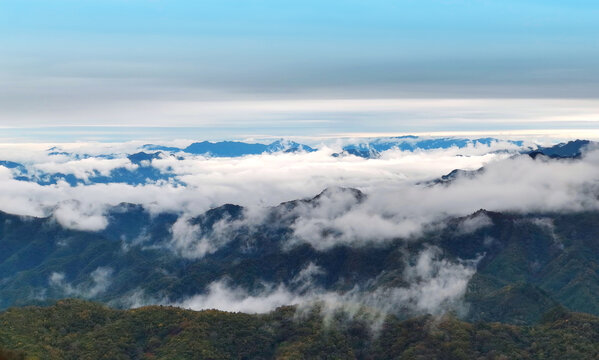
pixel 136 250
pixel 73 329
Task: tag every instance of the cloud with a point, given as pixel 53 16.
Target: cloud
pixel 435 285
pixel 80 216
pixel 222 297
pixel 137 298
pixel 474 223
pixel 223 117
pixel 97 284
pixel 304 279
pixel 101 281
pixel 84 168
pixel 395 206
pixel 187 239
pixel 404 210
pixel 548 225
pixel 339 218
pixel 252 181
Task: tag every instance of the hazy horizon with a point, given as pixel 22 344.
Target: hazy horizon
pixel 233 69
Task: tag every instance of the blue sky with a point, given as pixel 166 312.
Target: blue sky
pixel 190 64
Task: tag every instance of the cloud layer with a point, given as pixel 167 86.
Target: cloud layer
pixel 395 200
pixel 253 181
pixel 399 203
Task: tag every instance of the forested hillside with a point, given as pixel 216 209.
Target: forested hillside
pixel 74 329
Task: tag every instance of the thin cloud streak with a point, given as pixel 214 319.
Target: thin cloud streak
pixel 226 118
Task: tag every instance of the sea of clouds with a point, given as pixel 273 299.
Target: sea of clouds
pixel 400 202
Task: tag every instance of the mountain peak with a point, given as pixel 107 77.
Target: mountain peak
pixel 334 190
pixel 571 149
pixel 137 158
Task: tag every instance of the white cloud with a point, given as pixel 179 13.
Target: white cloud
pixel 395 206
pixel 81 216
pixel 84 168
pixel 100 280
pixel 435 285
pixel 222 297
pixel 304 279
pixel 253 181
pixel 187 239
pixel 284 114
pixel 474 223
pixel 401 210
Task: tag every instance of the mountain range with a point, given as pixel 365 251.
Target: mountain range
pixel 523 265
pixel 489 284
pixel 141 170
pixel 233 148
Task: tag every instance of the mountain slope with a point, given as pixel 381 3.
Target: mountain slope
pixel 74 329
pixel 525 264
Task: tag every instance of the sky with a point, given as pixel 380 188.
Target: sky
pixel 129 69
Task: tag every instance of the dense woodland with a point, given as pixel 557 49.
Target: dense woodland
pixel 75 329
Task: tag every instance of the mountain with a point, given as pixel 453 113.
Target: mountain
pixel 12 165
pixel 145 171
pixel 522 264
pixel 484 285
pixel 225 148
pixel 142 173
pixel 137 158
pixel 154 147
pixel 453 176
pixel 287 146
pixel 523 276
pixel 374 147
pixel 370 149
pixel 570 149
pixel 573 150
pixel 234 148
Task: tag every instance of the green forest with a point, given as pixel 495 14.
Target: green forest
pixel 76 329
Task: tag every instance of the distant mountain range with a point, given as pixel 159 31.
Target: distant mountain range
pixel 144 172
pixel 374 148
pixel 233 148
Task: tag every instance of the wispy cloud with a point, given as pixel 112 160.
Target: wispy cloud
pixel 99 281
